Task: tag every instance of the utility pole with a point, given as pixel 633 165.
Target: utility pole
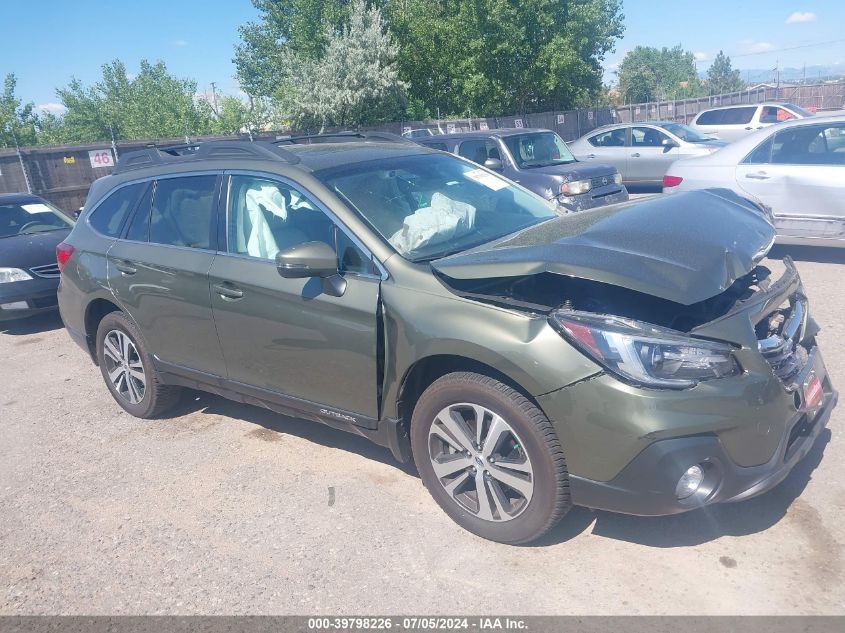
pixel 214 98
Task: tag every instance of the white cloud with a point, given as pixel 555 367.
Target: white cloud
pixel 700 56
pixel 56 109
pixel 180 43
pixel 801 16
pixel 752 46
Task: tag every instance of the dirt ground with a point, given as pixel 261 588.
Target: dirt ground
pixel 231 509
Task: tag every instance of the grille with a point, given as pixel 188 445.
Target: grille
pixel 49 271
pixel 779 344
pixel 595 183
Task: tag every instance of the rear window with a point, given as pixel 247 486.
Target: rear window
pixel 611 138
pixel 182 211
pixel 711 117
pixel 108 217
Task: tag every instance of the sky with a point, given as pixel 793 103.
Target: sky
pixel 48 42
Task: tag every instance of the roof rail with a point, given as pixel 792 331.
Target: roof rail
pixel 343 137
pixel 175 154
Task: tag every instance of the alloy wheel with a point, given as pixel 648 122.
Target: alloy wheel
pixel 480 461
pixel 124 367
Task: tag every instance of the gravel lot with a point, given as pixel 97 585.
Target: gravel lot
pixel 230 509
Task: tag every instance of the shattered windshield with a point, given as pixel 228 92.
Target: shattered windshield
pixel 432 205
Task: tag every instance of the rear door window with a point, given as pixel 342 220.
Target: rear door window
pixel 183 211
pixel 139 226
pixel 108 217
pixel 479 151
pixel 738 116
pixel 611 138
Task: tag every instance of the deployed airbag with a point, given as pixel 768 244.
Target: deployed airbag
pixel 441 221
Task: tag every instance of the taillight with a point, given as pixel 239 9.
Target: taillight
pixel 672 181
pixel 63 254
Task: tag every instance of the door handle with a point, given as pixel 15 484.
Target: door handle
pixel 635 155
pixel 760 175
pixel 591 155
pixel 125 267
pixel 228 291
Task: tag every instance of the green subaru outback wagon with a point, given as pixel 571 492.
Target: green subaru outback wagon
pixel 635 358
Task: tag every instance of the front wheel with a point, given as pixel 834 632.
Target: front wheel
pixel 490 458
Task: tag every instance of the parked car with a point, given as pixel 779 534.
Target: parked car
pixel 730 123
pixel 539 160
pixel 642 152
pixel 631 358
pixel 30 230
pixel 797 169
pixel 417 133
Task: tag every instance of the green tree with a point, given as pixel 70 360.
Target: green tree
pixel 286 28
pixel 650 74
pixel 354 82
pixel 722 77
pixel 152 104
pixel 18 120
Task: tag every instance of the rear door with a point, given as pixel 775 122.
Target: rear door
pixel 736 122
pixel 800 173
pixel 649 158
pixel 159 270
pixel 609 147
pixel 288 336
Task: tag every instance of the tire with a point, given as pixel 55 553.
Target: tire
pixel 138 391
pixel 519 465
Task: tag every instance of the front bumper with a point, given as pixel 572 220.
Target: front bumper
pixel 39 295
pixel 610 194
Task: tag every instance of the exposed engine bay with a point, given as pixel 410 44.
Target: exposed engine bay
pixel 545 292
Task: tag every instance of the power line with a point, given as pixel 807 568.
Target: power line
pixel 788 48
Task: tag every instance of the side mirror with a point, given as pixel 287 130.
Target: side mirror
pixel 77 213
pixel 668 144
pixel 493 163
pixel 314 260
pixel 311 259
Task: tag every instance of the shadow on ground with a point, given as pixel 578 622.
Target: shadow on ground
pixel 32 325
pixel 273 422
pixel 683 530
pixel 820 254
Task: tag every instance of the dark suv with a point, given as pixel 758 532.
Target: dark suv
pixel 538 160
pixel 635 358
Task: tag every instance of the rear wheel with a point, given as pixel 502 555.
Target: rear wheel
pixel 490 458
pixel 128 370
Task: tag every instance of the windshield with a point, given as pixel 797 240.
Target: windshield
pixel 798 110
pixel 30 216
pixel 539 149
pixel 432 205
pixel 685 133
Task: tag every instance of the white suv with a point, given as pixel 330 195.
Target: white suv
pixel 733 122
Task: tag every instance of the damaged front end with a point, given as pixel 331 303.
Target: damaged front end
pixel 713 386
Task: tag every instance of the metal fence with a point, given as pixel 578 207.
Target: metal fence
pixel 63 174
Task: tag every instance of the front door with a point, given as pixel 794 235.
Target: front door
pixel 648 157
pixel 289 336
pixel 799 172
pixel 159 271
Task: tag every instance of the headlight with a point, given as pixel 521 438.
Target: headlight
pixel 645 354
pixel 617 178
pixel 8 275
pixel 575 187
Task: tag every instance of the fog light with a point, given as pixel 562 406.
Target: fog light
pixel 689 482
pixel 15 305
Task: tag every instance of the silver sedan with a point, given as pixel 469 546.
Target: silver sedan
pixel 642 152
pixel 796 168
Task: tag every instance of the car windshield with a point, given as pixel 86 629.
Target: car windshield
pixel 432 205
pixel 685 133
pixel 30 216
pixel 798 110
pixel 538 149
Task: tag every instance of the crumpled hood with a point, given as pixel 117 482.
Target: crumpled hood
pixel 684 248
pixel 574 171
